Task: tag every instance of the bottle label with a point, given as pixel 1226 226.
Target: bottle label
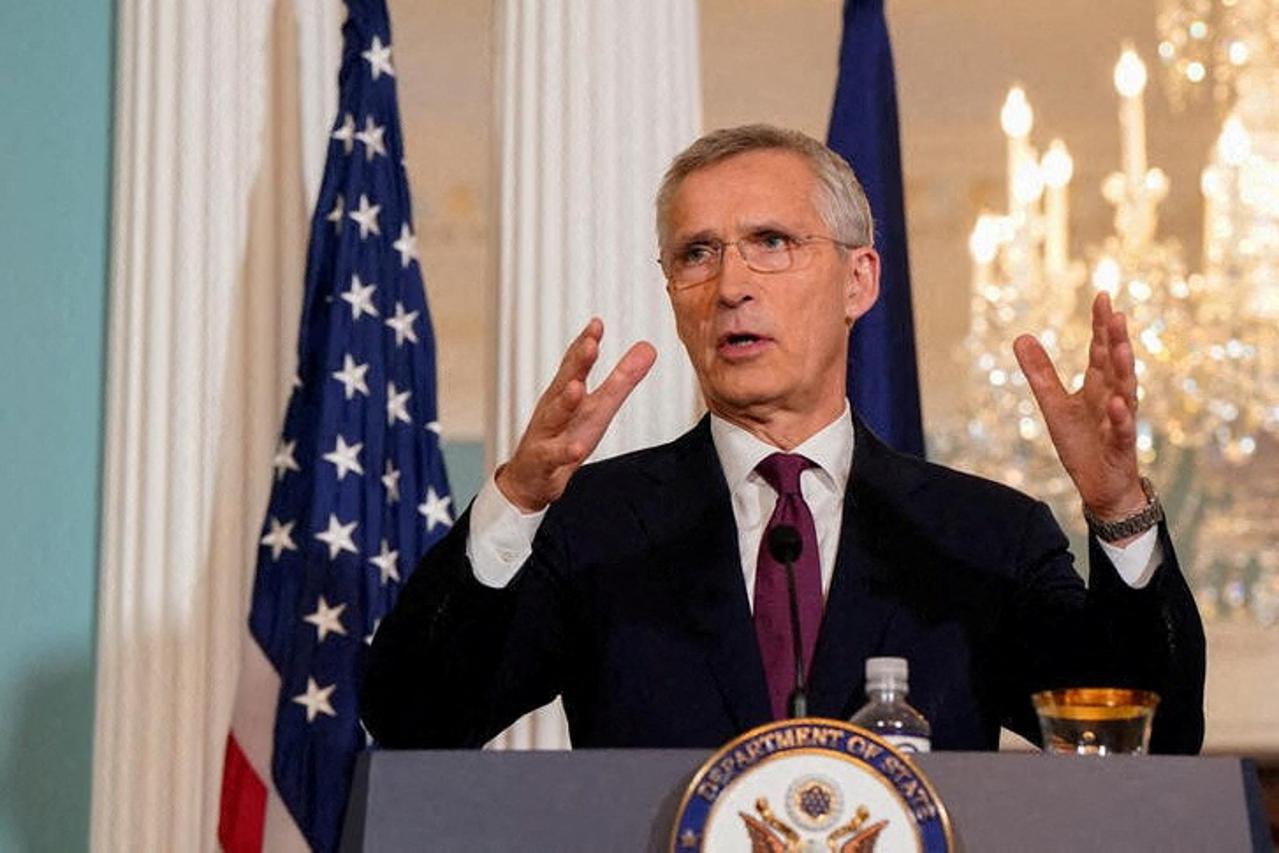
pixel 908 743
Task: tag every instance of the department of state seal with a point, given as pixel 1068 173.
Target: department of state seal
pixel 810 786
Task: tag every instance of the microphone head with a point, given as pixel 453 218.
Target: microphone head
pixel 784 544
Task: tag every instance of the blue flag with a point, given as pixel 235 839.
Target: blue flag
pixel 360 490
pixel 883 380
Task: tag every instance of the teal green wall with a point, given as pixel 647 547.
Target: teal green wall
pixel 465 463
pixel 55 97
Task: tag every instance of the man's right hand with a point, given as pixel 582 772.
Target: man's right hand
pixel 567 422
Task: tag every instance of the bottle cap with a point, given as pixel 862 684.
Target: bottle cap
pixel 887 673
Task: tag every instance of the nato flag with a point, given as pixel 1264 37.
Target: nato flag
pixel 883 381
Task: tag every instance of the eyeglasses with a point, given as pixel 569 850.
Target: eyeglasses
pixel 766 252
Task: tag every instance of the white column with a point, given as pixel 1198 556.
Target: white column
pixel 595 99
pixel 208 242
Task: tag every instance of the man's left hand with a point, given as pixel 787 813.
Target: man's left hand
pixel 1094 430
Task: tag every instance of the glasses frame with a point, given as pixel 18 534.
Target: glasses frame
pixel 802 242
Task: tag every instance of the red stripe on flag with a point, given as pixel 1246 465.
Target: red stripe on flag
pixel 243 812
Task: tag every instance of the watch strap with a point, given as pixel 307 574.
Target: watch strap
pixel 1131 525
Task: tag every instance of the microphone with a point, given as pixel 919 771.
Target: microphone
pixel 785 546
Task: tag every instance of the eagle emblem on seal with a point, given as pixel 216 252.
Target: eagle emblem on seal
pixel 769 834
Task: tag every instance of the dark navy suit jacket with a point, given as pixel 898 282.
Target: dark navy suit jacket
pixel 633 608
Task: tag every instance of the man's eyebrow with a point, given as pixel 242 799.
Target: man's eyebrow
pixel 768 225
pixel 706 235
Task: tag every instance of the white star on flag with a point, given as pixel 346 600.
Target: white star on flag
pixel 385 561
pixel 406 245
pixel 435 509
pixel 361 298
pixel 402 323
pixel 352 377
pixel 395 405
pixel 280 538
pixel 346 133
pixel 316 700
pixel 337 213
pixel 434 426
pixel 326 619
pixel 366 215
pixel 391 480
pixel 338 537
pixel 368 639
pixel 284 462
pixel 379 58
pixel 371 136
pixel 345 457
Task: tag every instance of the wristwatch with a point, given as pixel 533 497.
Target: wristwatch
pixel 1139 522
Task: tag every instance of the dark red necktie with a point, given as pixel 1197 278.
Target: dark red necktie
pixel 772 602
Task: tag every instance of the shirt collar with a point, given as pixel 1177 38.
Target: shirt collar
pixel 831 448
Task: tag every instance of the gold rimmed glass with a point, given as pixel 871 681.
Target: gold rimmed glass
pixel 1096 720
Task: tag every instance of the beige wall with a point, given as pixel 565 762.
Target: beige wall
pixel 444 62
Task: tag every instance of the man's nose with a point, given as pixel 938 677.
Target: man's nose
pixel 736 281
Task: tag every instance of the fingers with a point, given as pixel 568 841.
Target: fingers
pixel 568 387
pixel 1111 363
pixel 1098 376
pixel 1123 423
pixel 1040 373
pixel 579 358
pixel 588 416
pixel 596 412
pixel 1122 361
pixel 632 367
pixel 558 407
pixel 569 422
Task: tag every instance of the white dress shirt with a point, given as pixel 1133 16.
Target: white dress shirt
pixel 501 536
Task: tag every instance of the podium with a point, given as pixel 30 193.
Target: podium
pixel 620 800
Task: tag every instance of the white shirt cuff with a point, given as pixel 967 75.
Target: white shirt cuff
pixel 500 538
pixel 1136 562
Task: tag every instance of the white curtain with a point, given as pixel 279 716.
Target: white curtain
pixel 595 99
pixel 221 110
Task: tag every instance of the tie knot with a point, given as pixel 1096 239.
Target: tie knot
pixel 782 470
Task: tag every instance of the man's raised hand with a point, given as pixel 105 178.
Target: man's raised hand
pixel 568 422
pixel 1094 429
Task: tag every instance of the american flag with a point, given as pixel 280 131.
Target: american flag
pixel 360 490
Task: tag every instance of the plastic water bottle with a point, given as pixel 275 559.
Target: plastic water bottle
pixel 886 712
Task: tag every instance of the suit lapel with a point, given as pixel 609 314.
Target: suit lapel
pixel 859 611
pixel 705 569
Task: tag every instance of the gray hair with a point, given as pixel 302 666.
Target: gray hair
pixel 840 200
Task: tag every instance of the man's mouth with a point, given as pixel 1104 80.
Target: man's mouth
pixel 741 343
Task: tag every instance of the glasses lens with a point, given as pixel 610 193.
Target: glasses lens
pixel 693 264
pixel 766 253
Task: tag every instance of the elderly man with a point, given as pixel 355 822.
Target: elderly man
pixel 639 590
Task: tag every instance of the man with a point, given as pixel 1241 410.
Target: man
pixel 639 588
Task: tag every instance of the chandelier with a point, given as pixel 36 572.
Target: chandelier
pixel 1206 343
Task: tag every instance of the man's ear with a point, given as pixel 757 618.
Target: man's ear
pixel 862 288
